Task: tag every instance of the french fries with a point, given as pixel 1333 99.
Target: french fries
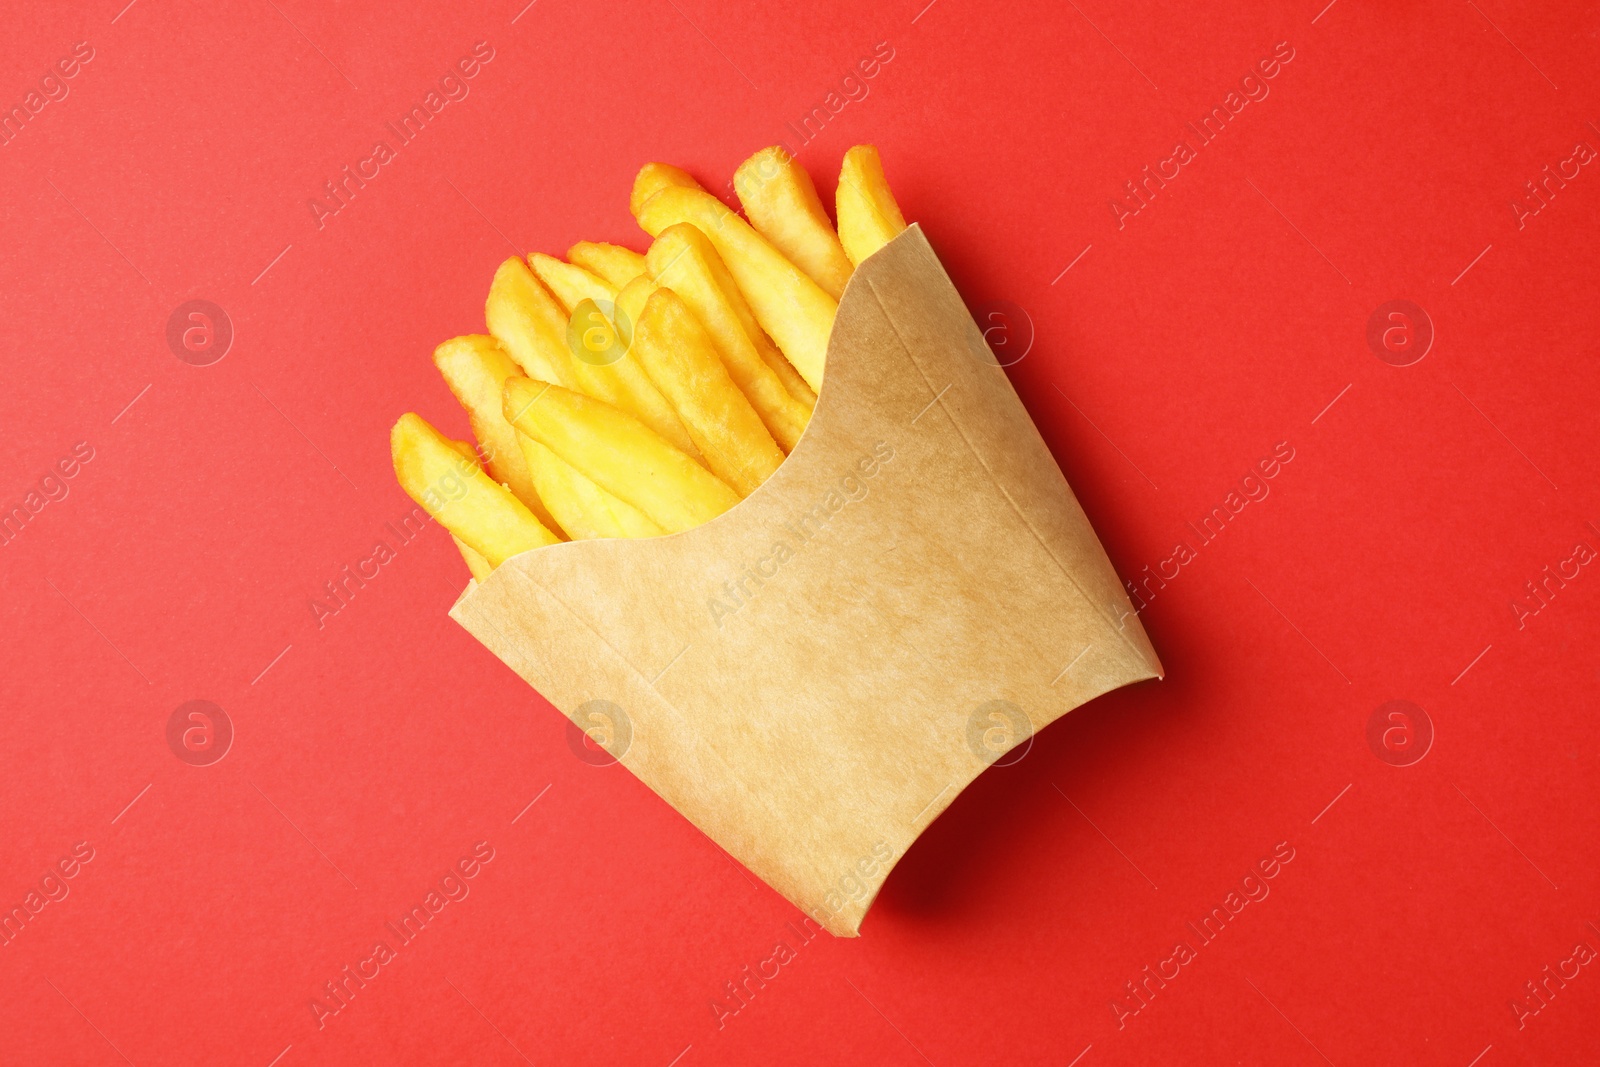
pixel 869 218
pixel 680 358
pixel 615 264
pixel 783 206
pixel 570 283
pixel 583 509
pixel 533 326
pixel 456 491
pixel 625 395
pixel 592 336
pixel 630 305
pixel 529 324
pixel 654 177
pixel 781 367
pixel 683 259
pixel 618 453
pixel 475 563
pixel 791 308
pixel 475 368
pixel 624 384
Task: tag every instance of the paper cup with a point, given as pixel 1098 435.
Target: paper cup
pixel 813 676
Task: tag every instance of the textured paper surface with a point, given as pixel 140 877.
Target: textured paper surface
pixel 812 677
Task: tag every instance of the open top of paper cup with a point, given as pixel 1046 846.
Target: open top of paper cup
pixel 813 676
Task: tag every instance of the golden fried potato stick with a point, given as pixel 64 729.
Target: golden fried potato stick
pixel 468 451
pixel 682 360
pixel 457 492
pixel 683 260
pixel 624 385
pixel 782 204
pixel 475 368
pixel 784 370
pixel 630 305
pixel 583 509
pixel 654 177
pixel 792 309
pixel 475 563
pixel 764 347
pixel 571 284
pixel 530 324
pixel 768 351
pixel 618 453
pixel 615 264
pixel 592 336
pixel 869 218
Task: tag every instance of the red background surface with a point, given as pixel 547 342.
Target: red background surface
pixel 1226 316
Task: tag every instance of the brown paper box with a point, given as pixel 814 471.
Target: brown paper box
pixel 813 676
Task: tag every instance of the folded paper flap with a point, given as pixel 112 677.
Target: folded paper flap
pixel 803 677
pixel 1002 437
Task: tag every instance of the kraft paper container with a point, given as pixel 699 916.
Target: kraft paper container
pixel 813 676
